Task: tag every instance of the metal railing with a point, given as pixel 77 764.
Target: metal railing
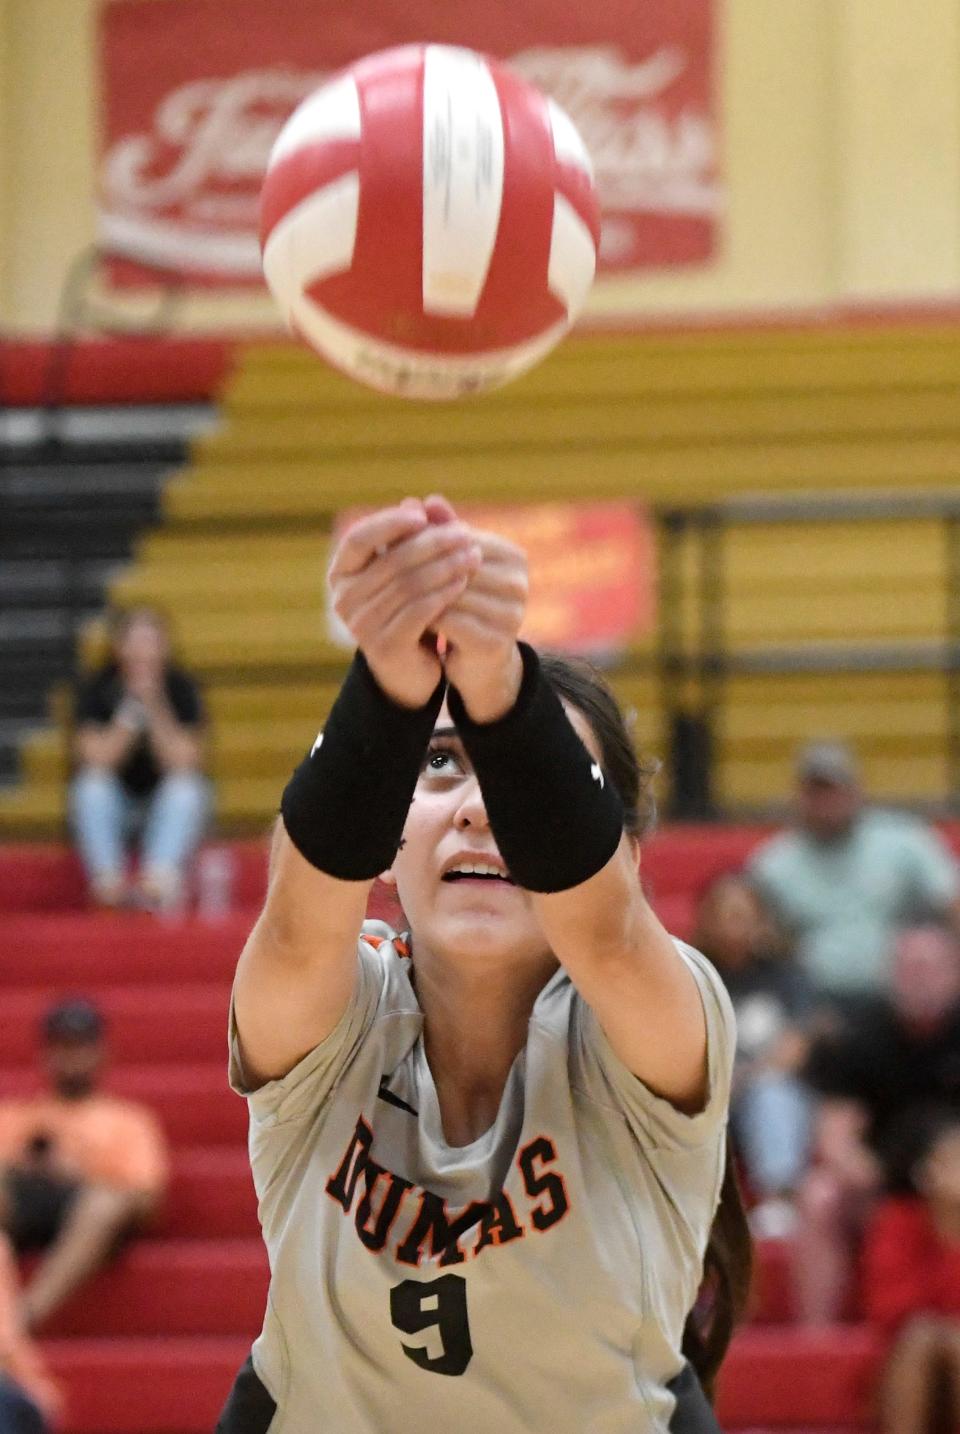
pixel 694 666
pixel 81 310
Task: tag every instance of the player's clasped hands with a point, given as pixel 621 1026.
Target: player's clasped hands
pixel 404 575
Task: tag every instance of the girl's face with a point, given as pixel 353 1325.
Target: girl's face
pixel 449 909
pixel 939 1173
pixel 731 927
pixel 144 645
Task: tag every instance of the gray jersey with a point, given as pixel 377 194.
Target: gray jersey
pixel 536 1279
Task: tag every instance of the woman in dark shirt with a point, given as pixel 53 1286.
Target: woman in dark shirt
pixel 138 748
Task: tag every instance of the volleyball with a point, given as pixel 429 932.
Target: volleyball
pixel 429 223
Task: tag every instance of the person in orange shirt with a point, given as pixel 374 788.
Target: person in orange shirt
pixel 80 1171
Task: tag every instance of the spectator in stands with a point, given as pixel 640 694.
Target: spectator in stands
pixel 139 749
pixel 30 1400
pixel 849 876
pixel 770 1109
pixel 898 1058
pixel 80 1171
pixel 911 1283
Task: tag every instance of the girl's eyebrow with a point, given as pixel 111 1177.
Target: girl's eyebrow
pixel 443 732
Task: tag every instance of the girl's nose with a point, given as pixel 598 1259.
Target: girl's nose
pixel 471 812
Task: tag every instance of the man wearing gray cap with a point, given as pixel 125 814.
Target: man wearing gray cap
pixel 848 876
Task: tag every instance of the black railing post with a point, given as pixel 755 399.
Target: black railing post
pixel 951 531
pixel 686 659
pixel 711 626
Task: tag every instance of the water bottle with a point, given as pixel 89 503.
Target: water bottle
pixel 215 874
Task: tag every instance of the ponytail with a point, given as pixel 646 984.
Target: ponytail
pixel 727 1269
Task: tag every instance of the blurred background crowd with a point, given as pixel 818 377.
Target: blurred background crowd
pixel 739 488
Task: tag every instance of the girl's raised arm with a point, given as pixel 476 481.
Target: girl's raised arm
pixel 343 811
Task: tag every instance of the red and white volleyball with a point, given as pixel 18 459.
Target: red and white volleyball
pixel 429 222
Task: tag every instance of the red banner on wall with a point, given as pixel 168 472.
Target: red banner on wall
pixel 592 571
pixel 194 93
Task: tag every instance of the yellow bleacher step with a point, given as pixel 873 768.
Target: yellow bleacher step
pixel 746 723
pixel 34 810
pixel 583 345
pixel 163 548
pixel 247 803
pixel 838 557
pixel 271 746
pixel 863 616
pixel 871 747
pixel 637 419
pixel 772 360
pixel 183 590
pixel 903 777
pixel 305 703
pixel 842 552
pixel 683 475
pixel 309 388
pixel 211 638
pixel 775 690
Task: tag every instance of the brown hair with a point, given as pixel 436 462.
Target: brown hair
pixel 583 686
pixel 727 1263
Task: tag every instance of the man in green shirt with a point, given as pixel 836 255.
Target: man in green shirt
pixel 848 876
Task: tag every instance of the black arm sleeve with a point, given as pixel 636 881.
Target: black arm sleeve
pixel 556 816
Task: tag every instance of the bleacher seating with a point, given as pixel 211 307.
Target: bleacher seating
pixel 665 419
pixel 88 437
pixel 71 512
pixel 152 1345
pixel 238 560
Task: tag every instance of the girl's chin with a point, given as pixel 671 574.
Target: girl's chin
pixel 480 931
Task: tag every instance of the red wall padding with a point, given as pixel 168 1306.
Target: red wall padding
pixel 134 370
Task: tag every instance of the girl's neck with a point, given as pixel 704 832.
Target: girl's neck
pixel 475 1026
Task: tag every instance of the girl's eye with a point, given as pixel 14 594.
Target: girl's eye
pixel 442 762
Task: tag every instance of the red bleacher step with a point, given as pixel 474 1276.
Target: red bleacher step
pixel 84 951
pixel 780 1378
pixel 211 1196
pixel 771 1296
pixel 145 1386
pixel 172 1287
pixel 146 1024
pixel 46 876
pixel 193 1102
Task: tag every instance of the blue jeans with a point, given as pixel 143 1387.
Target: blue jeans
pixel 168 824
pixel 18 1413
pixel 771 1121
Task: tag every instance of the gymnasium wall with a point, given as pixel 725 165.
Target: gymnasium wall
pixel 840 143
